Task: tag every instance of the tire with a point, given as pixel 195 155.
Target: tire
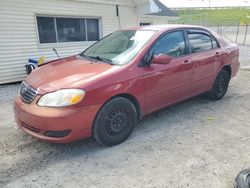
pixel 114 122
pixel 243 179
pixel 220 86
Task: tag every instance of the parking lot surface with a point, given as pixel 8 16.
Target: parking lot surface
pixel 196 143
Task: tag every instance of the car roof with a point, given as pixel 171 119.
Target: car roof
pixel 165 27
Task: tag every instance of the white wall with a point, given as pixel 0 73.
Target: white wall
pixel 18 33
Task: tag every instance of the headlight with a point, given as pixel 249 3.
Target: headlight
pixel 63 97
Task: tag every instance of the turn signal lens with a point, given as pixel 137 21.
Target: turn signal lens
pixel 76 99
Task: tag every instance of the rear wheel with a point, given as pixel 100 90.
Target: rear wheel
pixel 220 85
pixel 114 122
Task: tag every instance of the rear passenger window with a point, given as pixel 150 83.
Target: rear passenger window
pixel 199 42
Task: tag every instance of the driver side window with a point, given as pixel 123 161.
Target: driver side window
pixel 172 44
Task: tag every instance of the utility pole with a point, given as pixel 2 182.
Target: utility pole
pixel 209 1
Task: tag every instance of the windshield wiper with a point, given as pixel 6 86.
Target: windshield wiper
pixel 87 57
pixel 109 61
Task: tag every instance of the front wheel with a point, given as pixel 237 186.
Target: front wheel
pixel 114 122
pixel 220 85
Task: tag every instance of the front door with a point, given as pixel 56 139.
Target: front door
pixel 168 83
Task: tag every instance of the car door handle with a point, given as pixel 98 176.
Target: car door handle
pixel 187 61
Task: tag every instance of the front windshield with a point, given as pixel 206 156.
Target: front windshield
pixel 120 47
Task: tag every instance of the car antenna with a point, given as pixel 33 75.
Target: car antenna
pixel 56 53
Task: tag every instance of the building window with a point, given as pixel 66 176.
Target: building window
pixel 46 29
pixel 70 29
pixel 144 23
pixel 57 29
pixel 93 29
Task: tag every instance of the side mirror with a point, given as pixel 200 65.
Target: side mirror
pixel 162 59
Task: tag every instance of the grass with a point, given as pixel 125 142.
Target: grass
pixel 215 16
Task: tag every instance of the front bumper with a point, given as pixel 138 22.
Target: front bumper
pixel 37 121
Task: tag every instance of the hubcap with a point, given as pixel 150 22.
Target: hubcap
pixel 116 122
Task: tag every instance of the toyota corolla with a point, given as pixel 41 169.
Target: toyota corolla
pixel 104 91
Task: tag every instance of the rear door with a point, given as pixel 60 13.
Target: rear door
pixel 205 53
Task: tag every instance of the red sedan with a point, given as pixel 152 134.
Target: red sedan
pixel 104 91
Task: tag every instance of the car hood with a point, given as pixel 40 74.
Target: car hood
pixel 67 73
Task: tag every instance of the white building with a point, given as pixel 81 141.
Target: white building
pixel 32 28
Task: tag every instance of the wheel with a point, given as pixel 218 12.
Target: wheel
pixel 114 122
pixel 242 180
pixel 220 86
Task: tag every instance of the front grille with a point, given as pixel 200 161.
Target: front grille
pixel 27 93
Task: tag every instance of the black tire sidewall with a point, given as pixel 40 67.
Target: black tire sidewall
pixel 225 75
pixel 99 131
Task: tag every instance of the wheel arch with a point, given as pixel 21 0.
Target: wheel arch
pixel 228 69
pixel 133 99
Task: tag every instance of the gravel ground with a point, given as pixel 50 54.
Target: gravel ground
pixel 245 55
pixel 197 143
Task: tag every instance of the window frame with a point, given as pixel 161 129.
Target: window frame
pixel 200 31
pixel 145 64
pixel 216 41
pixel 100 29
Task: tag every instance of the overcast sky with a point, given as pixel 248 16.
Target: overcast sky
pixel 205 3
